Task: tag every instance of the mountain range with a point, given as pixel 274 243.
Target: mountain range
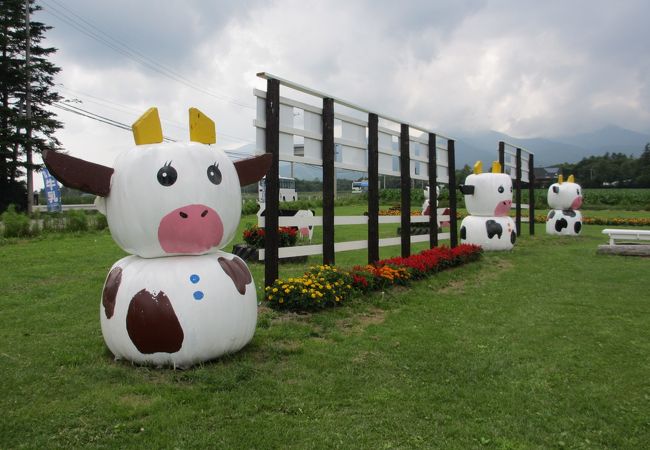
pixel 483 145
pixel 471 147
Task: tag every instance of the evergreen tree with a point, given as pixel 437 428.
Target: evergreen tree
pixel 15 76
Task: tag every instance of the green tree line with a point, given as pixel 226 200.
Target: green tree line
pixel 612 169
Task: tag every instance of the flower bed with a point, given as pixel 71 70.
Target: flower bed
pixel 254 236
pixel 620 221
pixel 318 288
pixel 327 286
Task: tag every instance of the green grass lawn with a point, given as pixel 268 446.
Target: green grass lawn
pixel 546 346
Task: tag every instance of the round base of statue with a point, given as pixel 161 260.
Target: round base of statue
pixel 491 233
pixel 178 311
pixel 564 222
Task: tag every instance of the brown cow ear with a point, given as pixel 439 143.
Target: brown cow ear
pixel 79 174
pixel 253 169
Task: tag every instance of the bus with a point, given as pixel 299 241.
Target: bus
pixel 287 190
pixel 359 187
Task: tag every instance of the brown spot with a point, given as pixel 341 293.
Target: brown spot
pixel 357 324
pixel 110 291
pixel 152 323
pixel 237 271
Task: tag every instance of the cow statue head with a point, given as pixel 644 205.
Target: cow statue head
pixel 487 194
pixel 165 199
pixel 564 194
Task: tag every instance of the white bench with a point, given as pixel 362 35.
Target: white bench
pixel 626 235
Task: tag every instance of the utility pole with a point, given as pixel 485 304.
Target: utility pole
pixel 28 116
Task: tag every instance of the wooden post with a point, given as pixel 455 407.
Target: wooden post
pixel 405 187
pixel 272 187
pixel 433 207
pixel 329 181
pixel 531 194
pixel 518 192
pixel 453 227
pixel 373 188
pixel 502 156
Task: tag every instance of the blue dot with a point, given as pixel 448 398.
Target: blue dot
pixel 194 278
pixel 198 295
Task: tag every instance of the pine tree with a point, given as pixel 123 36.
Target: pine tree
pixel 15 74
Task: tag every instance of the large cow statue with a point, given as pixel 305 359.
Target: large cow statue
pixel 565 199
pixel 177 299
pixel 488 199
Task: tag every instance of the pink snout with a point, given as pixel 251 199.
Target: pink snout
pixel 577 202
pixel 503 208
pixel 191 229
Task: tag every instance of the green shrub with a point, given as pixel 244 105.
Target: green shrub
pixel 16 224
pixel 101 222
pixel 77 221
pixel 249 207
pixel 53 222
pixel 302 204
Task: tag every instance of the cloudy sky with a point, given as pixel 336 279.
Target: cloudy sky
pixel 525 68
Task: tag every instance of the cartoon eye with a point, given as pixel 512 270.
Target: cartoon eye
pixel 578 191
pixel 510 188
pixel 500 189
pixel 167 175
pixel 214 174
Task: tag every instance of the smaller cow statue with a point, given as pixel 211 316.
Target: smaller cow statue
pixel 427 200
pixel 177 300
pixel 488 199
pixel 565 199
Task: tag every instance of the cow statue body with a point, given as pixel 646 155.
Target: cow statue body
pixel 565 199
pixel 178 299
pixel 488 198
pixel 427 200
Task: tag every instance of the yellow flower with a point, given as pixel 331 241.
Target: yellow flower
pixel 275 290
pixel 286 291
pixel 313 295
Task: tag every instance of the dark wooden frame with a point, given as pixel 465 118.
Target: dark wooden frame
pixel 405 188
pixel 329 181
pixel 518 183
pixel 453 219
pixel 272 188
pixel 272 184
pixel 373 188
pixel 433 182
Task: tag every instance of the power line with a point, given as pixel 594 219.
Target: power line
pixel 108 121
pixel 124 108
pixel 84 26
pixel 91 115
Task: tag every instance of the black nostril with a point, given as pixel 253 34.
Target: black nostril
pixel 183 215
pixel 204 213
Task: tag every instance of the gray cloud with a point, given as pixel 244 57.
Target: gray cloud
pixel 524 68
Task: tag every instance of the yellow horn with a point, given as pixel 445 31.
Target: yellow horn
pixel 147 129
pixel 496 167
pixel 478 167
pixel 560 179
pixel 201 128
pixel 571 179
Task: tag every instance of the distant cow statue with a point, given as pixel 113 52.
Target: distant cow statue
pixel 488 198
pixel 177 299
pixel 565 199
